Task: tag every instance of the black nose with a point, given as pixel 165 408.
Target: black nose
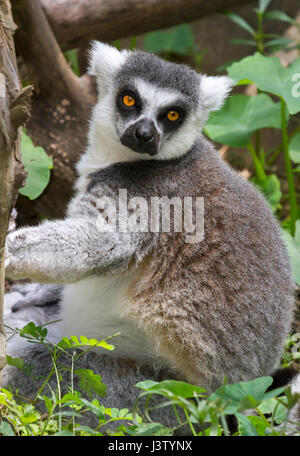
pixel 145 133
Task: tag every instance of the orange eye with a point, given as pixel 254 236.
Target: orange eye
pixel 128 100
pixel 173 115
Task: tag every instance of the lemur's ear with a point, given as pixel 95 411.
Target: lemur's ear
pixel 214 90
pixel 105 60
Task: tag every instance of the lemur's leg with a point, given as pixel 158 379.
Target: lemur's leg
pixel 65 251
pixel 25 288
pixel 38 295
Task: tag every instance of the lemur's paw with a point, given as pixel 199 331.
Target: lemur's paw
pixel 15 255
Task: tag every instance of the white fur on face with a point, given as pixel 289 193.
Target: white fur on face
pixel 213 91
pixel 105 61
pixel 104 145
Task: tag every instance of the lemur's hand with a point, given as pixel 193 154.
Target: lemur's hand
pixel 15 255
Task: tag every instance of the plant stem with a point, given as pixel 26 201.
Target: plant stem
pixel 274 156
pixel 224 424
pixel 257 143
pixel 259 35
pixel 189 422
pixel 288 168
pixel 259 170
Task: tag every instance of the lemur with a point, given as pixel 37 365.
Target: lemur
pixel 218 307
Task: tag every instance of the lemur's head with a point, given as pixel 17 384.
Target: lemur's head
pixel 148 107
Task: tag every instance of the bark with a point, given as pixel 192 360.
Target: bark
pixel 60 109
pixel 14 111
pixel 74 22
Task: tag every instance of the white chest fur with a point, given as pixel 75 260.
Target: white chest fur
pixel 95 307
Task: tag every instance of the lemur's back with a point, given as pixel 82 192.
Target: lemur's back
pixel 218 307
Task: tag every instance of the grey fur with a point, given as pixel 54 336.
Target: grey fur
pixel 201 311
pixel 162 74
pixel 37 295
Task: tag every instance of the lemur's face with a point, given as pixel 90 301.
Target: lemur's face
pixel 148 116
pixel 150 107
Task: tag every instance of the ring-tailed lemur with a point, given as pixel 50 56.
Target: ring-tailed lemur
pixel 222 306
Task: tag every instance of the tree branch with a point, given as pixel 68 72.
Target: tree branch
pixel 13 101
pixel 75 22
pixel 46 64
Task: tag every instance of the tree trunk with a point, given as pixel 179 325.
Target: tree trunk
pixel 75 22
pixel 60 109
pixel 14 112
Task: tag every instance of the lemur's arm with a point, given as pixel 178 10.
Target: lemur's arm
pixel 68 250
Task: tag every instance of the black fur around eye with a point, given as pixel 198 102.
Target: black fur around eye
pixel 128 102
pixel 171 118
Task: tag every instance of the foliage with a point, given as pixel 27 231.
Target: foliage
pixel 179 40
pixel 291 350
pixel 72 58
pixel 257 68
pixel 37 164
pixel 241 117
pixel 205 415
pixel 240 122
pixel 263 42
pixel 295 149
pixel 293 248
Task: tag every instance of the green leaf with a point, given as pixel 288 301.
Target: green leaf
pixel 149 429
pixel 6 429
pixel 72 58
pixel 279 16
pixel 64 434
pixel 240 117
pixel 269 76
pixel 270 186
pixel 293 248
pixel 73 342
pixel 171 388
pixel 262 5
pixel 245 425
pixel 240 21
pixel 90 382
pixel 278 42
pixel 48 404
pixel 94 407
pixel 294 148
pixel 31 331
pixel 272 406
pixel 179 40
pixel 16 362
pixel 37 164
pixel 243 395
pixel 242 41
